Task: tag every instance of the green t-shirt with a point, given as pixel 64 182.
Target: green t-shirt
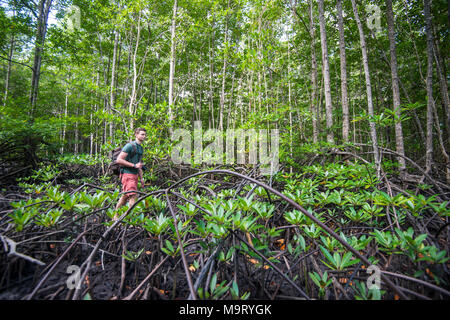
pixel 128 148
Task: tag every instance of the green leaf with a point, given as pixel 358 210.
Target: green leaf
pixel 212 285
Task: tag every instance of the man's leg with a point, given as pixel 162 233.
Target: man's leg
pixel 129 183
pixel 132 200
pixel 122 201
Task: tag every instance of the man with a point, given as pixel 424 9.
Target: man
pixel 131 170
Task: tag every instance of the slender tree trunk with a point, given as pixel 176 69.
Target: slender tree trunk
pixel 8 71
pixel 344 93
pixel 172 61
pixel 441 144
pixel 97 81
pixel 127 78
pixel 132 105
pixel 222 94
pixel 260 58
pixel 314 102
pixel 373 132
pixel 44 9
pixel 76 137
pixel 230 103
pixel 289 102
pixel 211 71
pixel 429 86
pixel 113 82
pixel 395 88
pixel 440 70
pixel 105 100
pixel 194 97
pixel 440 67
pixel 326 74
pixel 66 103
pixel 155 98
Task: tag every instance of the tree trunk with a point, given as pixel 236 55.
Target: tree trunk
pixel 66 103
pixel 8 71
pixel 289 102
pixel 395 88
pixel 132 105
pixel 441 144
pixel 230 102
pixel 344 93
pixel 222 94
pixel 440 70
pixel 211 71
pixel 314 103
pixel 76 137
pixel 326 74
pixel 429 87
pixel 172 62
pixel 373 131
pixel 91 137
pixel 113 82
pixel 44 9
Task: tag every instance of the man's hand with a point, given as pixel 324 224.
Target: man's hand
pixel 138 165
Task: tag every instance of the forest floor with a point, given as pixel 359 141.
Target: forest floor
pixel 240 236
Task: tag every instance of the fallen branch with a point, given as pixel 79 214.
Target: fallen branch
pixel 12 251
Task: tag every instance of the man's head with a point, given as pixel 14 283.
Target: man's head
pixel 140 134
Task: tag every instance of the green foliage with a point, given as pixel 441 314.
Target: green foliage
pixel 21 217
pixel 336 261
pixel 362 293
pixel 322 282
pixel 169 249
pixel 132 256
pixel 157 226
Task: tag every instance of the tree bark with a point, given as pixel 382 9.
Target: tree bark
pixel 211 71
pixel 113 82
pixel 172 61
pixel 42 18
pixel 395 88
pixel 76 133
pixel 8 71
pixel 344 90
pixel 314 102
pixel 429 87
pixel 222 94
pixel 326 74
pixel 373 131
pixel 440 70
pixel 66 103
pixel 91 136
pixel 132 105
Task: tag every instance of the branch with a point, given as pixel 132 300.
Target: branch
pixel 23 64
pixel 25 4
pixel 299 17
pixel 12 251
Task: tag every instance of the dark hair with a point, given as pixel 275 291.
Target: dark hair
pixel 139 130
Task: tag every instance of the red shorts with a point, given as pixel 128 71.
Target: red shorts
pixel 129 183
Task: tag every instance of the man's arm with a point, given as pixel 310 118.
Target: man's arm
pixel 121 160
pixel 141 177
